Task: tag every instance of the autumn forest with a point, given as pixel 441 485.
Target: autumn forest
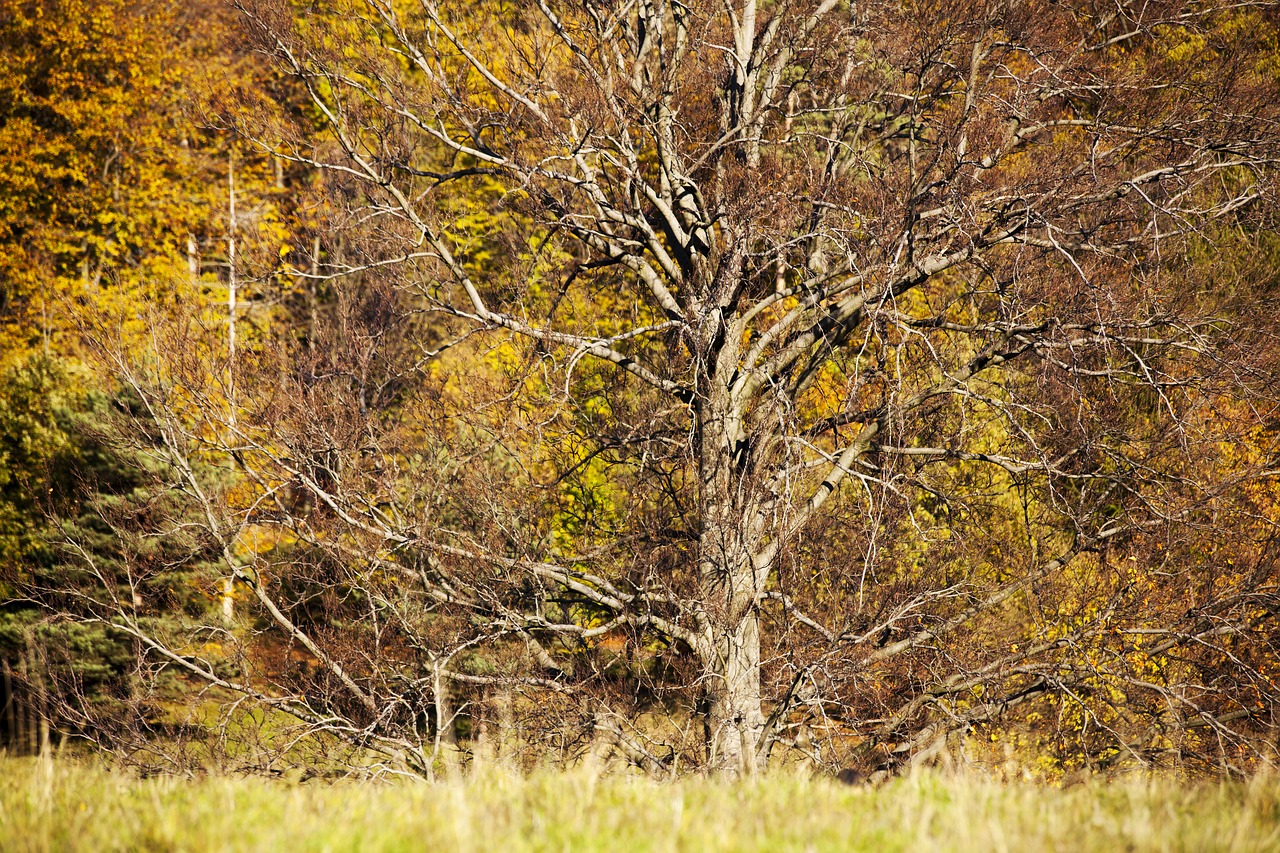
pixel 717 386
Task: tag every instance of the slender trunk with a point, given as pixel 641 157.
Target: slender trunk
pixel 481 732
pixel 312 297
pixel 445 734
pixel 228 583
pixel 26 711
pixel 20 708
pixel 228 600
pixel 507 743
pixel 231 287
pixel 10 707
pixel 42 708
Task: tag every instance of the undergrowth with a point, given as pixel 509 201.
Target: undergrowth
pixel 49 805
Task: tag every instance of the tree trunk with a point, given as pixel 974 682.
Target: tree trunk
pixel 26 710
pixel 228 599
pixel 735 719
pixel 12 738
pixel 42 709
pixel 731 580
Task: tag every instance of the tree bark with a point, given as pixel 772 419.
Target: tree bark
pixel 10 707
pixel 730 578
pixel 735 719
pixel 26 710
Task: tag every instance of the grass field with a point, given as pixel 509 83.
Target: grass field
pixel 48 806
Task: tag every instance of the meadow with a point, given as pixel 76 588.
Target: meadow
pixel 50 805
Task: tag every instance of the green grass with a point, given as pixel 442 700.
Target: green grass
pixel 51 806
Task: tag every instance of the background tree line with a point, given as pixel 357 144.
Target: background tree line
pixel 709 385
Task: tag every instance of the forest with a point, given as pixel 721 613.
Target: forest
pixel 706 388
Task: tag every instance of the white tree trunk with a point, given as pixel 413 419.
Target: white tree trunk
pixel 731 581
pixel 735 718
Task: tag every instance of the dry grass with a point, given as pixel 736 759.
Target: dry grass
pixel 64 806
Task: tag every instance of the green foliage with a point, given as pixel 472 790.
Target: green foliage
pixel 65 489
pixel 46 467
pixel 37 450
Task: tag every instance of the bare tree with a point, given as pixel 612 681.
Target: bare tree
pixel 848 258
